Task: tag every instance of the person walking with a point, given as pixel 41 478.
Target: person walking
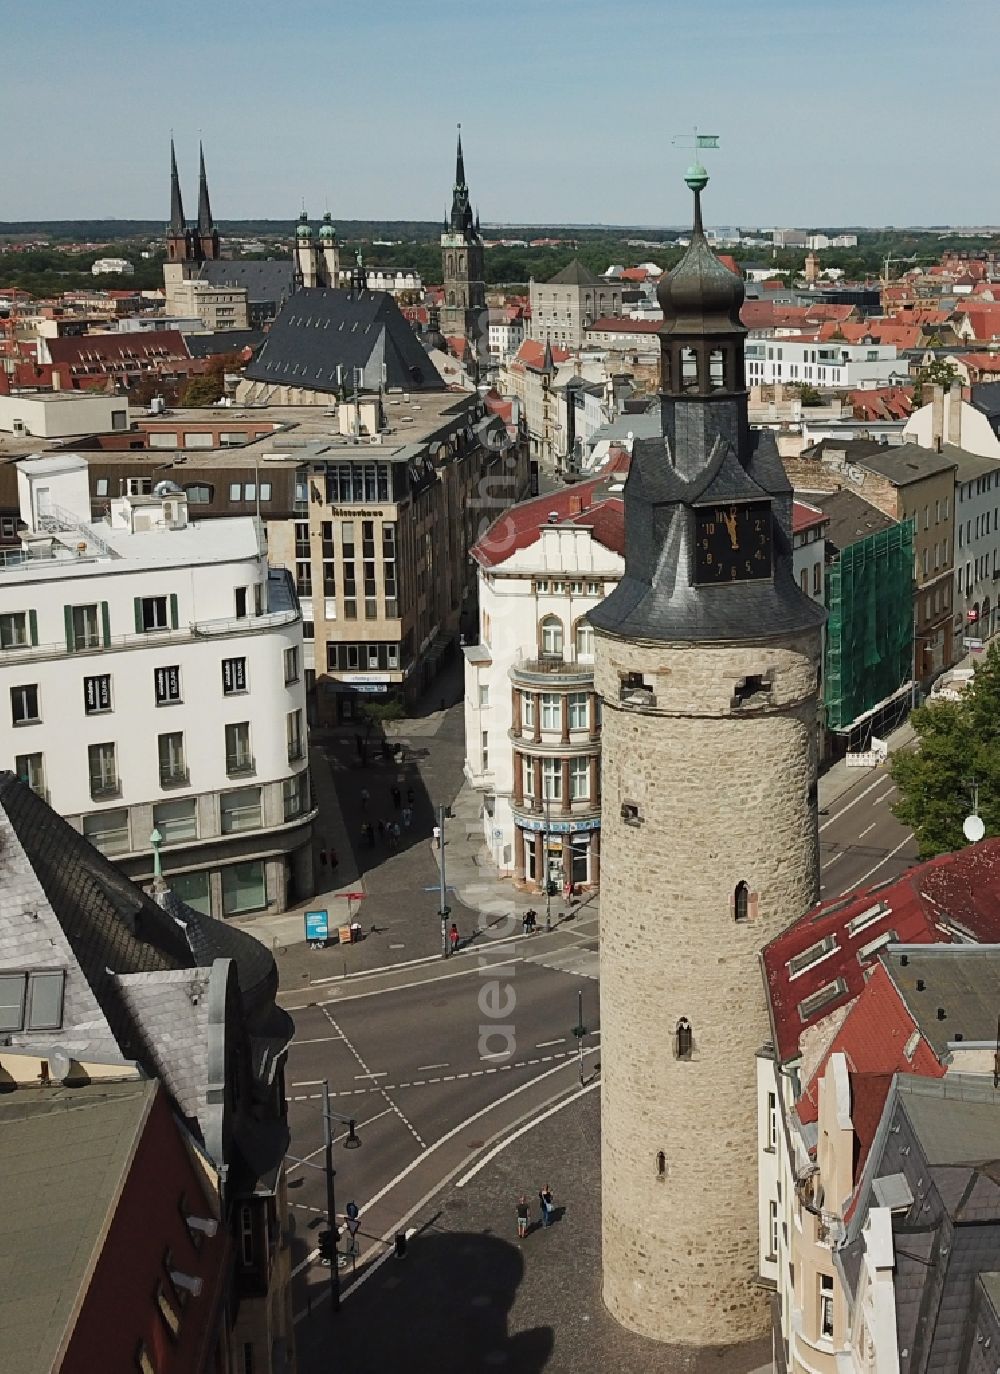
pixel 381 829
pixel 545 1199
pixel 322 858
pixel 407 818
pixel 411 796
pixel 522 1217
pixel 454 937
pixel 364 799
pixel 397 797
pixel 437 836
pixel 394 833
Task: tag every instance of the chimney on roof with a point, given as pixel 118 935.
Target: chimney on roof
pixel 576 503
pixel 955 414
pixel 4 382
pixel 56 380
pixel 553 517
pixel 937 416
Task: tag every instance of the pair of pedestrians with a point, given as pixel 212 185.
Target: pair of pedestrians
pixel 547 1208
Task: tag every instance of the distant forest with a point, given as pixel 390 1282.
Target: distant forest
pixel 62 265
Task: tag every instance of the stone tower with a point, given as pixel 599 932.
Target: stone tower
pixel 305 257
pixel 706 659
pixel 464 308
pixel 329 265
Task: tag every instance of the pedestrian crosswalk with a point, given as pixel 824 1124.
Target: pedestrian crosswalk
pixel 574 959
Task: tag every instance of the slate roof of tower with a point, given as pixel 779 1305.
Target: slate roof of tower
pixel 575 274
pixel 263 281
pixel 319 330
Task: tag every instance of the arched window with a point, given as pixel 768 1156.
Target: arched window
pixel 689 369
pixel 716 369
pixel 683 1040
pixel 451 298
pixel 661 1164
pixel 741 902
pixel 584 642
pixel 552 636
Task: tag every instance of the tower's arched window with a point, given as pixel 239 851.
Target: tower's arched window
pixel 665 371
pixel 741 902
pixel 661 1165
pixel 717 369
pixel 683 1040
pixel 451 298
pixel 552 636
pixel 689 369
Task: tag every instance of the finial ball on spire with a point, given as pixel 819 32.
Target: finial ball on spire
pixel 696 177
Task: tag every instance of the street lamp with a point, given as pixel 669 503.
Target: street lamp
pixel 352 1142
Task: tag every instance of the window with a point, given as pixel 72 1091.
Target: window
pixel 293 734
pixel 683 1039
pixel 584 642
pixel 578 710
pixel 235 491
pixel 552 779
pixel 239 759
pixel 772 1230
pixel 15 628
pixel 484 694
pixel 527 775
pixel 579 779
pixel 167 1311
pixel 176 820
pixel 243 889
pixel 826 1305
pixel 241 603
pixel 295 795
pixel 240 810
pixel 817 578
pixel 30 769
pixel 485 749
pixel 103 770
pixel 167 685
pixel 552 636
pixel 31 1001
pixel 800 962
pixel 108 831
pixel 193 889
pixel 173 769
pixel 151 613
pixel 527 710
pixel 83 627
pixel 804 580
pixel 248 1358
pixel 830 992
pixel 772 1122
pixel 551 711
pixel 265 491
pixel 741 902
pixel 292 664
pixel 97 694
pixel 234 676
pixel 198 494
pixel 24 705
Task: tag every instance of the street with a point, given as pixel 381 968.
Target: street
pixel 861 842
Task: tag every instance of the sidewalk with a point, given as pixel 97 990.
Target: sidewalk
pixel 839 779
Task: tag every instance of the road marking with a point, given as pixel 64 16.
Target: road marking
pixel 427 1068
pixel 870 788
pixel 383 1073
pixel 515 1135
pixel 824 867
pixel 321 1040
pixel 358 1126
pixel 546 1044
pixel 408 1124
pixel 496 1054
pixel 308 1083
pixel 883 796
pixel 866 830
pixel 422 982
pixel 444 1078
pixel 860 882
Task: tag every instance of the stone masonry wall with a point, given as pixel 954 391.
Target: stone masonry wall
pixel 724 795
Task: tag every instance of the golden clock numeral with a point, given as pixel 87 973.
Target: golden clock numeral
pixel 758 525
pixel 733 573
pixel 710 527
pixel 708 558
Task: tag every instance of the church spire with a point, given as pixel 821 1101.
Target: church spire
pixel 176 205
pixel 205 225
pixel 459 164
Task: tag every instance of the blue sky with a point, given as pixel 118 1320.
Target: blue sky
pixel 853 111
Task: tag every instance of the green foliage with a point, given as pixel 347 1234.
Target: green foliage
pixel 377 714
pixel 958 743
pixel 203 390
pixel 808 395
pixel 938 372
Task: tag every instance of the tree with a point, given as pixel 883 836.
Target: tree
pixel 958 746
pixel 940 372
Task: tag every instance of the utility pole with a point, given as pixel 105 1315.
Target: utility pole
pixel 444 910
pixel 331 1207
pixel 545 863
pixel 580 1030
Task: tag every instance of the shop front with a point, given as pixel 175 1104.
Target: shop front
pixel 557 852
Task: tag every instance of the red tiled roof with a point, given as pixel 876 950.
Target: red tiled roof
pixel 882 403
pixel 151 346
pixel 955 896
pixel 520 526
pixel 984 320
pixel 532 354
pixel 729 261
pixel 499 405
pixel 804 517
pixel 618 324
pixel 980 362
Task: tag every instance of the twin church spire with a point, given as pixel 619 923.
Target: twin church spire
pixel 191 243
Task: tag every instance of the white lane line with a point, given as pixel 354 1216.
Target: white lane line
pixel 883 796
pixel 824 867
pixel 359 1126
pixel 408 1124
pixel 496 1054
pixel 429 1068
pixel 515 1135
pixel 870 788
pixel 321 1040
pixel 481 968
pixel 308 1083
pixel 383 1073
pixel 860 882
pixel 866 830
pixel 547 1044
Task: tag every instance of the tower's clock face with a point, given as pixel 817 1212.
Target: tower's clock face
pixel 733 542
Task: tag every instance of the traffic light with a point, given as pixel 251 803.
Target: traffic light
pixel 326 1246
pixel 400 1243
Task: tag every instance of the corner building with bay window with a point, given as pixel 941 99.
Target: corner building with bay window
pixel 152 689
pixel 532 714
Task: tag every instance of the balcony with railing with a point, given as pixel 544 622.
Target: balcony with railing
pixel 551 670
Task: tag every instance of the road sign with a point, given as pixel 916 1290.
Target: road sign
pixel 317 925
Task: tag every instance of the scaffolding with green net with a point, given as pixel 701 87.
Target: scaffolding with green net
pixel 868 657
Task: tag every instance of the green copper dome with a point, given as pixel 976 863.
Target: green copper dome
pixel 327 232
pixel 303 230
pixel 696 177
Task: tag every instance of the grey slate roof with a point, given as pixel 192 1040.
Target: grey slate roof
pixel 575 274
pixel 320 331
pixel 902 464
pixel 850 516
pixel 63 1154
pixel 970 465
pixel 223 341
pixel 263 281
pixel 960 981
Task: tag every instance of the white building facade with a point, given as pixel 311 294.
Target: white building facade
pixel 833 363
pixel 532 716
pixel 506 334
pixel 152 689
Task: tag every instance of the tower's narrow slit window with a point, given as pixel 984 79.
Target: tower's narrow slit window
pixel 683 1039
pixel 741 902
pixel 717 369
pixel 661 1165
pixel 689 369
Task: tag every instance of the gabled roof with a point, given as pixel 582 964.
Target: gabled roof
pixel 951 992
pixel 575 274
pixel 617 324
pixel 851 517
pixel 263 281
pixel 319 331
pixel 805 517
pixel 585 503
pixel 531 354
pixel 819 963
pixel 223 342
pixel 145 346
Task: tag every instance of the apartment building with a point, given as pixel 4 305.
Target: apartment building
pixel 829 364
pixel 152 688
